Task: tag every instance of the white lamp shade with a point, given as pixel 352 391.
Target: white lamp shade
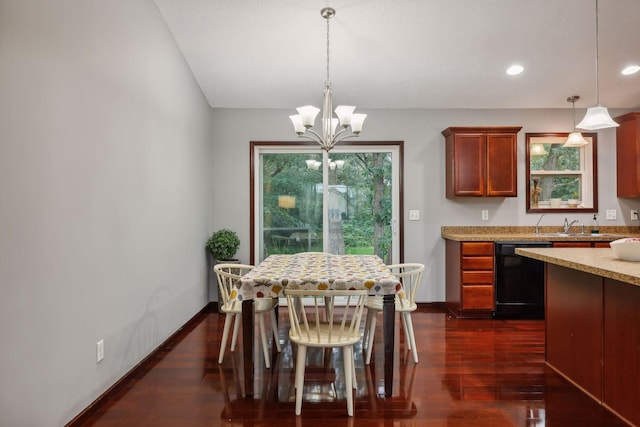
pixel 297 124
pixel 575 140
pixel 344 113
pixel 357 120
pixel 537 150
pixel 340 164
pixel 308 114
pixel 597 118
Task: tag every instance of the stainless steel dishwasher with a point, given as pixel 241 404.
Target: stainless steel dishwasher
pixel 519 282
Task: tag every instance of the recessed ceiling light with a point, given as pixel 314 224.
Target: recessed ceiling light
pixel 631 69
pixel 514 70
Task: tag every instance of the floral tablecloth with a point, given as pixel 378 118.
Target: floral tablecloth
pixel 316 271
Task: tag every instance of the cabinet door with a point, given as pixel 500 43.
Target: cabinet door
pixel 628 155
pixel 501 165
pixel 469 164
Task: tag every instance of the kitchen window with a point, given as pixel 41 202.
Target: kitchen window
pixel 559 178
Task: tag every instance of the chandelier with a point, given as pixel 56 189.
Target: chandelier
pixel 330 134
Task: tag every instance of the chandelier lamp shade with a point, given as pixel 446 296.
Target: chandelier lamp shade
pixel 597 117
pixel 347 124
pixel 575 138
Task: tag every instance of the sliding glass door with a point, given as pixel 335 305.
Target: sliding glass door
pixel 343 202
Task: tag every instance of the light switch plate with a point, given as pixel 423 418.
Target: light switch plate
pixel 414 215
pixel 611 214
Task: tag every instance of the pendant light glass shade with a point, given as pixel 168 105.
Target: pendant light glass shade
pixel 537 150
pixel 597 118
pixel 575 140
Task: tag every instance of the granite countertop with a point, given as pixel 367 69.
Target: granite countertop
pixel 599 261
pixel 527 233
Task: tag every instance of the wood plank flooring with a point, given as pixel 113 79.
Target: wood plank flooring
pixel 471 373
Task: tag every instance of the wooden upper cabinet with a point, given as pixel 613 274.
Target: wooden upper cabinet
pixel 628 155
pixel 481 161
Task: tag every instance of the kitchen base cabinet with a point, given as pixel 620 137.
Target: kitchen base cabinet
pixel 574 244
pixel 470 278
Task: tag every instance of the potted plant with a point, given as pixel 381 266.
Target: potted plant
pixel 223 245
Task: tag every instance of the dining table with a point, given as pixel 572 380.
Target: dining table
pixel 323 271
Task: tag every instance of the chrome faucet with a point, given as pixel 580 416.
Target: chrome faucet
pixel 567 224
pixel 538 224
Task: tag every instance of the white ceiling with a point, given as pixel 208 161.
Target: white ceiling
pixel 409 53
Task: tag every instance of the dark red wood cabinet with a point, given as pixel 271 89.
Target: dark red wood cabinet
pixel 628 155
pixel 481 161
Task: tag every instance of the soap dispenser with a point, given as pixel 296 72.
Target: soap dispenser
pixel 595 229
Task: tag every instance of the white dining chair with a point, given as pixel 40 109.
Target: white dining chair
pixel 228 274
pixel 340 330
pixel 410 275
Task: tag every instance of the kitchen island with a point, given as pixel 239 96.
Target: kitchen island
pixel 592 312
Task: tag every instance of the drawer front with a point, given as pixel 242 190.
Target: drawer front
pixel 571 244
pixel 601 245
pixel 477 263
pixel 477 297
pixel 484 277
pixel 477 248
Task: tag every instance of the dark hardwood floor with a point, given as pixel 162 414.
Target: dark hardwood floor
pixel 471 373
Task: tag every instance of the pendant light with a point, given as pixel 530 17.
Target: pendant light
pixel 597 117
pixel 575 138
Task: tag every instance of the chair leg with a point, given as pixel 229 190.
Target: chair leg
pixel 228 319
pixel 236 328
pixel 406 331
pixel 347 353
pixel 301 362
pixel 372 332
pixel 412 336
pixel 367 324
pixel 274 326
pixel 263 338
pixel 353 371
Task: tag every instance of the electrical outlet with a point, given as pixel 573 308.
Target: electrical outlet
pixel 485 215
pixel 99 351
pixel 611 214
pixel 634 214
pixel 414 215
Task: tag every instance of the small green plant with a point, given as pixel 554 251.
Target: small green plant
pixel 223 245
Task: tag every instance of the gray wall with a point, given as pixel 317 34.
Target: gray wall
pixel 424 186
pixel 105 199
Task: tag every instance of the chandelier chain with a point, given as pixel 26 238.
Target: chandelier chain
pixel 328 82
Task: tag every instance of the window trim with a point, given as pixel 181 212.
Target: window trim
pixel 593 183
pixel 254 163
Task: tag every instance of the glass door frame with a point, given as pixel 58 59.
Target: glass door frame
pixel 396 147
